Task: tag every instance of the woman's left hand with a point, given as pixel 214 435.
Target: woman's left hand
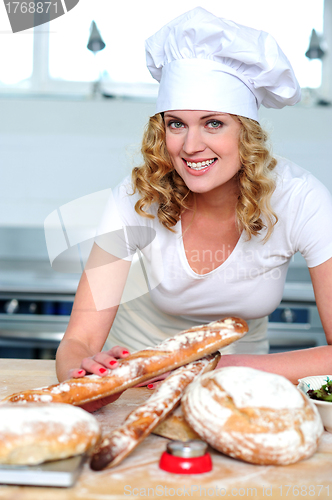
pixel 153 383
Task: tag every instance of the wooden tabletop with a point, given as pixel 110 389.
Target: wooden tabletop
pixel 139 475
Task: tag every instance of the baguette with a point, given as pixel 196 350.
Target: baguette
pixel 173 352
pixel 117 445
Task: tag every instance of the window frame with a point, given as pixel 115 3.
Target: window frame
pixel 41 84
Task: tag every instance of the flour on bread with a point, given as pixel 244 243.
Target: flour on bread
pixel 256 416
pixel 35 433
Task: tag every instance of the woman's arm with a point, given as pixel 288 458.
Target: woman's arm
pixel 301 363
pixel 321 277
pixel 292 365
pixel 95 306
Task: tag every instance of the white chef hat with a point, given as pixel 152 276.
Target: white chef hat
pixel 208 63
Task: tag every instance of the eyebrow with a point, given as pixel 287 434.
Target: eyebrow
pixel 213 114
pixel 166 115
pixel 202 118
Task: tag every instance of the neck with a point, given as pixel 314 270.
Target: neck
pixel 221 202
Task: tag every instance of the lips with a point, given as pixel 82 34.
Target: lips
pixel 199 165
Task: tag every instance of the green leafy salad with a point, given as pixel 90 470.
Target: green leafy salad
pixel 322 394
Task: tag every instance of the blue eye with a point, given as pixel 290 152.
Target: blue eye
pixel 214 124
pixel 175 124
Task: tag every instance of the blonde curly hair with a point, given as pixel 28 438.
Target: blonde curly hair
pixel 158 182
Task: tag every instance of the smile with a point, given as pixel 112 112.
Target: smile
pixel 200 165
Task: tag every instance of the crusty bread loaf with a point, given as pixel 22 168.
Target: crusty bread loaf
pixel 176 427
pixel 36 433
pixel 182 349
pixel 117 445
pixel 252 415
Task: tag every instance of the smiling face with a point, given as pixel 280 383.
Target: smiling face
pixel 204 148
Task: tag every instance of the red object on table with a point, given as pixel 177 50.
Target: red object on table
pixel 189 457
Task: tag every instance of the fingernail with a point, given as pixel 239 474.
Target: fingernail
pixel 80 372
pixel 125 352
pixel 150 386
pixel 102 370
pixel 113 362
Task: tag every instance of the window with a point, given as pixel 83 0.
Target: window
pixel 15 58
pixel 68 66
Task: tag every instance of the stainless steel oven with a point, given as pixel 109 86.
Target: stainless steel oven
pixel 295 325
pixel 32 324
pixel 35 304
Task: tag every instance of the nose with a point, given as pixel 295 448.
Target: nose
pixel 193 141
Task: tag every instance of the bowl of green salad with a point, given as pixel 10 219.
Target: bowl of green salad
pixel 319 389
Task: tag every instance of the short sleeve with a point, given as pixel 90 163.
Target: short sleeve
pixel 121 230
pixel 311 212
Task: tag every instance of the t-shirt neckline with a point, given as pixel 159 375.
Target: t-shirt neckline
pixel 186 264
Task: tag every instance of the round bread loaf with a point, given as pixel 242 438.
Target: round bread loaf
pixel 255 416
pixel 36 433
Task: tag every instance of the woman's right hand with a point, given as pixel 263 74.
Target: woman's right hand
pixel 95 306
pixel 100 364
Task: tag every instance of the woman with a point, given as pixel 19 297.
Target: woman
pixel 214 215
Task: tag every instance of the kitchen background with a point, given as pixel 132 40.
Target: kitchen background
pixel 56 148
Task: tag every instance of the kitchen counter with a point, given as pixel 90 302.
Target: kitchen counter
pixel 229 477
pixel 32 276
pixel 35 276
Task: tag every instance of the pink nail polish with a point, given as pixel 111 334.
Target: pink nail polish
pixel 102 370
pixel 113 362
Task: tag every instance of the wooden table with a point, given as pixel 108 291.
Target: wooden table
pixel 139 475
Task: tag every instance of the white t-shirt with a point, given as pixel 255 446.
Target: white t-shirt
pixel 167 296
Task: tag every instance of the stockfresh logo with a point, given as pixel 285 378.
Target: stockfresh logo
pixel 24 15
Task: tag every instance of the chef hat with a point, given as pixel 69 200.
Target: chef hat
pixel 208 63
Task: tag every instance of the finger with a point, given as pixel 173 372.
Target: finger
pixel 154 385
pixel 90 365
pixel 154 379
pixel 105 360
pixel 118 352
pixel 76 373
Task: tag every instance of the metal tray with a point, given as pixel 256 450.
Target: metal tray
pixel 60 473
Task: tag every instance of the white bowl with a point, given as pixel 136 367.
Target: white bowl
pixel 324 407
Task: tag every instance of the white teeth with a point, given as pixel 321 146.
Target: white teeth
pixel 199 165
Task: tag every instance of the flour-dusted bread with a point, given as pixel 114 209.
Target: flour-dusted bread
pixel 187 346
pixel 36 433
pixel 252 415
pixel 175 427
pixel 117 445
